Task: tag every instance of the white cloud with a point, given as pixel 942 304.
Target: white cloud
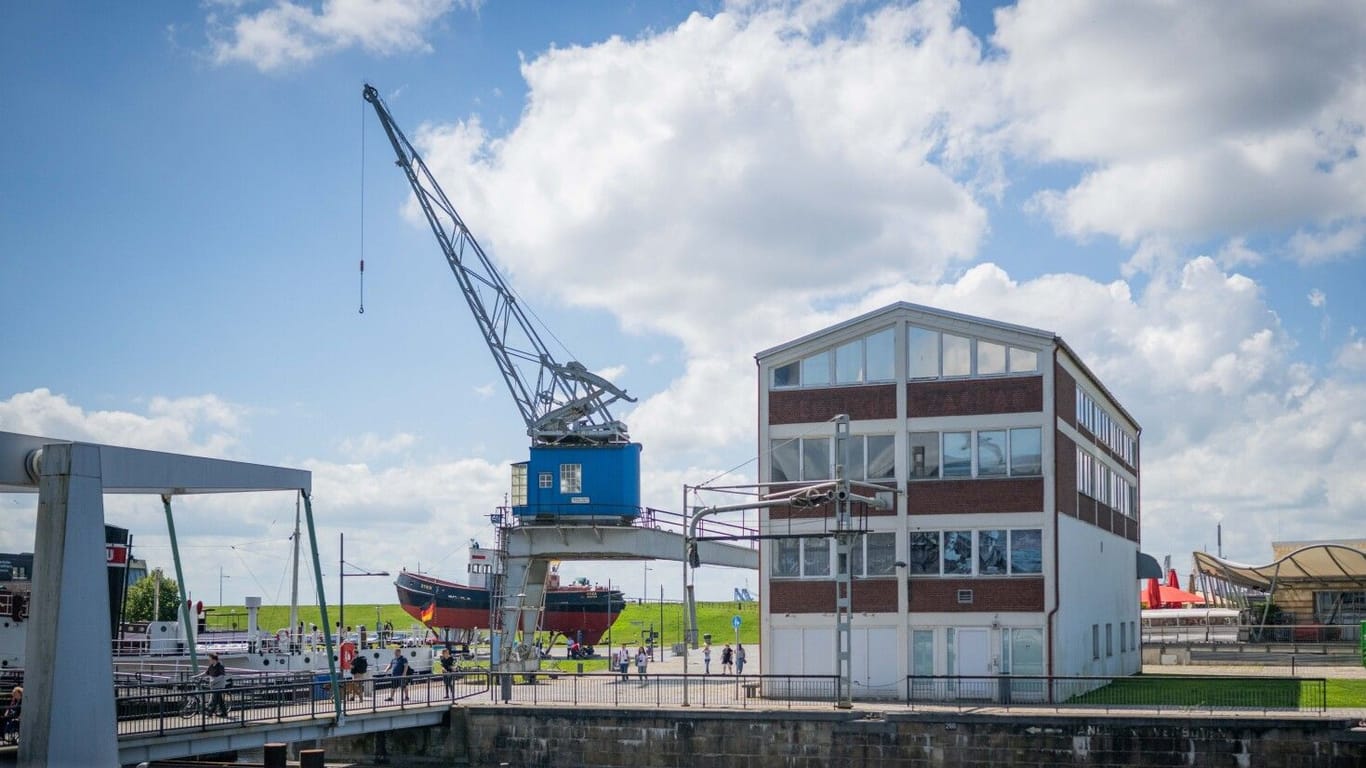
pixel 369 445
pixel 1316 248
pixel 1190 120
pixel 290 34
pixel 1317 299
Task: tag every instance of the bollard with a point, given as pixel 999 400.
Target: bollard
pixel 276 755
pixel 311 758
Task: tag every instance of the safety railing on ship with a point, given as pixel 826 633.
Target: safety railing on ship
pixel 1161 693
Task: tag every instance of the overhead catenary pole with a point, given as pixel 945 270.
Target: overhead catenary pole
pixel 294 588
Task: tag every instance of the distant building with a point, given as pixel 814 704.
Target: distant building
pixel 1013 543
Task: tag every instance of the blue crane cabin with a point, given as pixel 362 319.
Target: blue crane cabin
pixel 578 484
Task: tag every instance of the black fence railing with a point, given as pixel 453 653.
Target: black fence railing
pixel 634 690
pixel 1136 692
pixel 158 706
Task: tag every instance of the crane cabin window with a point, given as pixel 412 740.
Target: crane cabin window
pixel 571 478
pixel 519 485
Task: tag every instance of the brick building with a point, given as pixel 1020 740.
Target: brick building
pixel 1012 545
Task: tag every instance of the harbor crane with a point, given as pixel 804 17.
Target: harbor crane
pixel 583 468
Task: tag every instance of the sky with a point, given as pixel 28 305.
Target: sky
pixel 1177 190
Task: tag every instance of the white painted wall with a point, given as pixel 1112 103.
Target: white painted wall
pixel 1098 585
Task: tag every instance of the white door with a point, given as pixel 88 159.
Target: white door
pixel 972 659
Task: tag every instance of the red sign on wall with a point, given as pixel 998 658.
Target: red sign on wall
pixel 116 555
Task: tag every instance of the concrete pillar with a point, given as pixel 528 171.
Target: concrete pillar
pixel 69 669
pixel 311 758
pixel 274 755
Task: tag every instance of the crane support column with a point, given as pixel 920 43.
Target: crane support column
pixel 845 539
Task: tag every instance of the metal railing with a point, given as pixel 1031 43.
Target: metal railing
pixel 147 705
pixel 651 690
pixel 1163 693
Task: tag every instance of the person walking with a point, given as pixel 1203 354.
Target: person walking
pixel 447 662
pixel 641 661
pixel 706 659
pixel 727 659
pixel 360 670
pixel 398 669
pixel 739 659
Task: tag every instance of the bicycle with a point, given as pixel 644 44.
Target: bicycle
pixel 199 699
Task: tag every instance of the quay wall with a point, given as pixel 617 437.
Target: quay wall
pixel 526 737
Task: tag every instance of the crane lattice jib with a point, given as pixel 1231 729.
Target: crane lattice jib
pixel 565 403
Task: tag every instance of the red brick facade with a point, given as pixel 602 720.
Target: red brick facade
pixel 810 596
pixel 802 406
pixel 974 397
pixel 952 497
pixel 932 595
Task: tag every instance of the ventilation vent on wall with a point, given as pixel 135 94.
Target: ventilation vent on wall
pixel 965 597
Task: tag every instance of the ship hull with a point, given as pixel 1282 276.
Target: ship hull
pixel 580 613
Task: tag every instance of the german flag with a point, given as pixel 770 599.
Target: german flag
pixel 428 612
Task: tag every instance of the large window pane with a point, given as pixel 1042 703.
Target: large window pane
pixel 1026 451
pixel 816 370
pixel 881 554
pixel 787 375
pixel 957 355
pixel 849 363
pixel 881 457
pixel 879 356
pixel 1026 652
pixel 853 458
pixel 957 454
pixel 957 552
pixel 991 358
pixel 991 453
pixel 991 553
pixel 922 652
pixel 923 555
pixel 922 346
pixel 1023 360
pixel 924 455
pixel 1026 551
pixel 785 460
pixel 816 463
pixel 815 557
pixel 787 558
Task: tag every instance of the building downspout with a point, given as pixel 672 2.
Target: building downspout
pixel 1057 598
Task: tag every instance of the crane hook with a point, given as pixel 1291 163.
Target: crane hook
pixel 362 286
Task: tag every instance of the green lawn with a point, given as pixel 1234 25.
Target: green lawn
pixel 1148 690
pixel 630 627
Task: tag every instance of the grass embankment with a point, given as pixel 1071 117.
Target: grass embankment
pixel 1198 692
pixel 631 627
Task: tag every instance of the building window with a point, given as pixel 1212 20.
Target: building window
pixel 1095 641
pixel 545 480
pixel 923 556
pixel 880 557
pixel 816 463
pixel 1026 551
pixel 985 453
pixel 1026 451
pixel 861 361
pixel 924 455
pixel 991 553
pixel 957 355
pixel 571 478
pixel 815 557
pixel 519 485
pixel 932 355
pixel 800 458
pixel 991 358
pixel 1109 640
pixel 787 558
pixel 957 552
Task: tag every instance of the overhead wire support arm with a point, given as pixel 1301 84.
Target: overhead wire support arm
pixel 558 403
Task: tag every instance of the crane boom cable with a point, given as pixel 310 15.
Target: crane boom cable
pixel 362 209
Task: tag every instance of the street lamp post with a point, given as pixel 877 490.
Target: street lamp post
pixel 221 576
pixel 341 584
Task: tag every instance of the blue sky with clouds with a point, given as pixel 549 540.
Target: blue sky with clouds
pixel 188 188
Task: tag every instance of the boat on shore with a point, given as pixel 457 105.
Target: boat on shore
pixel 580 612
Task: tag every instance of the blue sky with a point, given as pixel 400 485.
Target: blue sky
pixel 188 188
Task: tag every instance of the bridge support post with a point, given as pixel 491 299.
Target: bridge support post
pixel 69 671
